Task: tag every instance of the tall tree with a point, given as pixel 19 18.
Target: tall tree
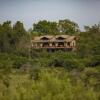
pixel 13 39
pixel 45 27
pixel 19 32
pixel 6 36
pixel 68 27
pixel 22 38
pixel 88 43
pixel 94 29
pixel 62 27
pixel 19 29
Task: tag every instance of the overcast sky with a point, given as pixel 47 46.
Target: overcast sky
pixel 83 12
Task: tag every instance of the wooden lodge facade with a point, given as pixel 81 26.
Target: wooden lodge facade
pixel 54 42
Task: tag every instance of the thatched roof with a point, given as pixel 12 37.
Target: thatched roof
pixel 63 36
pixel 47 36
pixel 67 38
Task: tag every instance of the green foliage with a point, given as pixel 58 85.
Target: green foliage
pixel 34 73
pixel 53 84
pixel 68 27
pixel 6 36
pixel 62 27
pixel 88 46
pixel 45 27
pixel 13 38
pixel 27 74
pixel 11 61
pixel 19 29
pixel 88 43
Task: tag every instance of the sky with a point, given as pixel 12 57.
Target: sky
pixel 83 12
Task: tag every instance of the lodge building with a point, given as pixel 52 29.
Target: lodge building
pixel 54 42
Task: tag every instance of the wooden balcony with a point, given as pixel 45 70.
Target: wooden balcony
pixel 48 41
pixel 53 47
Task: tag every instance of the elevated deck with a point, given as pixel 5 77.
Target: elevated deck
pixel 58 42
pixel 52 47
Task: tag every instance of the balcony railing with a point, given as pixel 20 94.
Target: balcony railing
pixel 53 47
pixel 42 41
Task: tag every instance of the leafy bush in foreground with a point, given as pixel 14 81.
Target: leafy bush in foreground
pixel 52 84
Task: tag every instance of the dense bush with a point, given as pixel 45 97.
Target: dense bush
pixel 51 84
pixel 27 74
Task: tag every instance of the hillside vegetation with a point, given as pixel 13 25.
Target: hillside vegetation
pixel 27 74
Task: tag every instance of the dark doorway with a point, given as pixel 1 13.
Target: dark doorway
pixel 61 44
pixel 68 44
pixel 53 44
pixel 46 44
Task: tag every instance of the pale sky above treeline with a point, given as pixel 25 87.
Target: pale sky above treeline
pixel 83 12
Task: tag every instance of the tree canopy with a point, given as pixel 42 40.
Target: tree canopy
pixel 10 36
pixel 62 27
pixel 28 74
